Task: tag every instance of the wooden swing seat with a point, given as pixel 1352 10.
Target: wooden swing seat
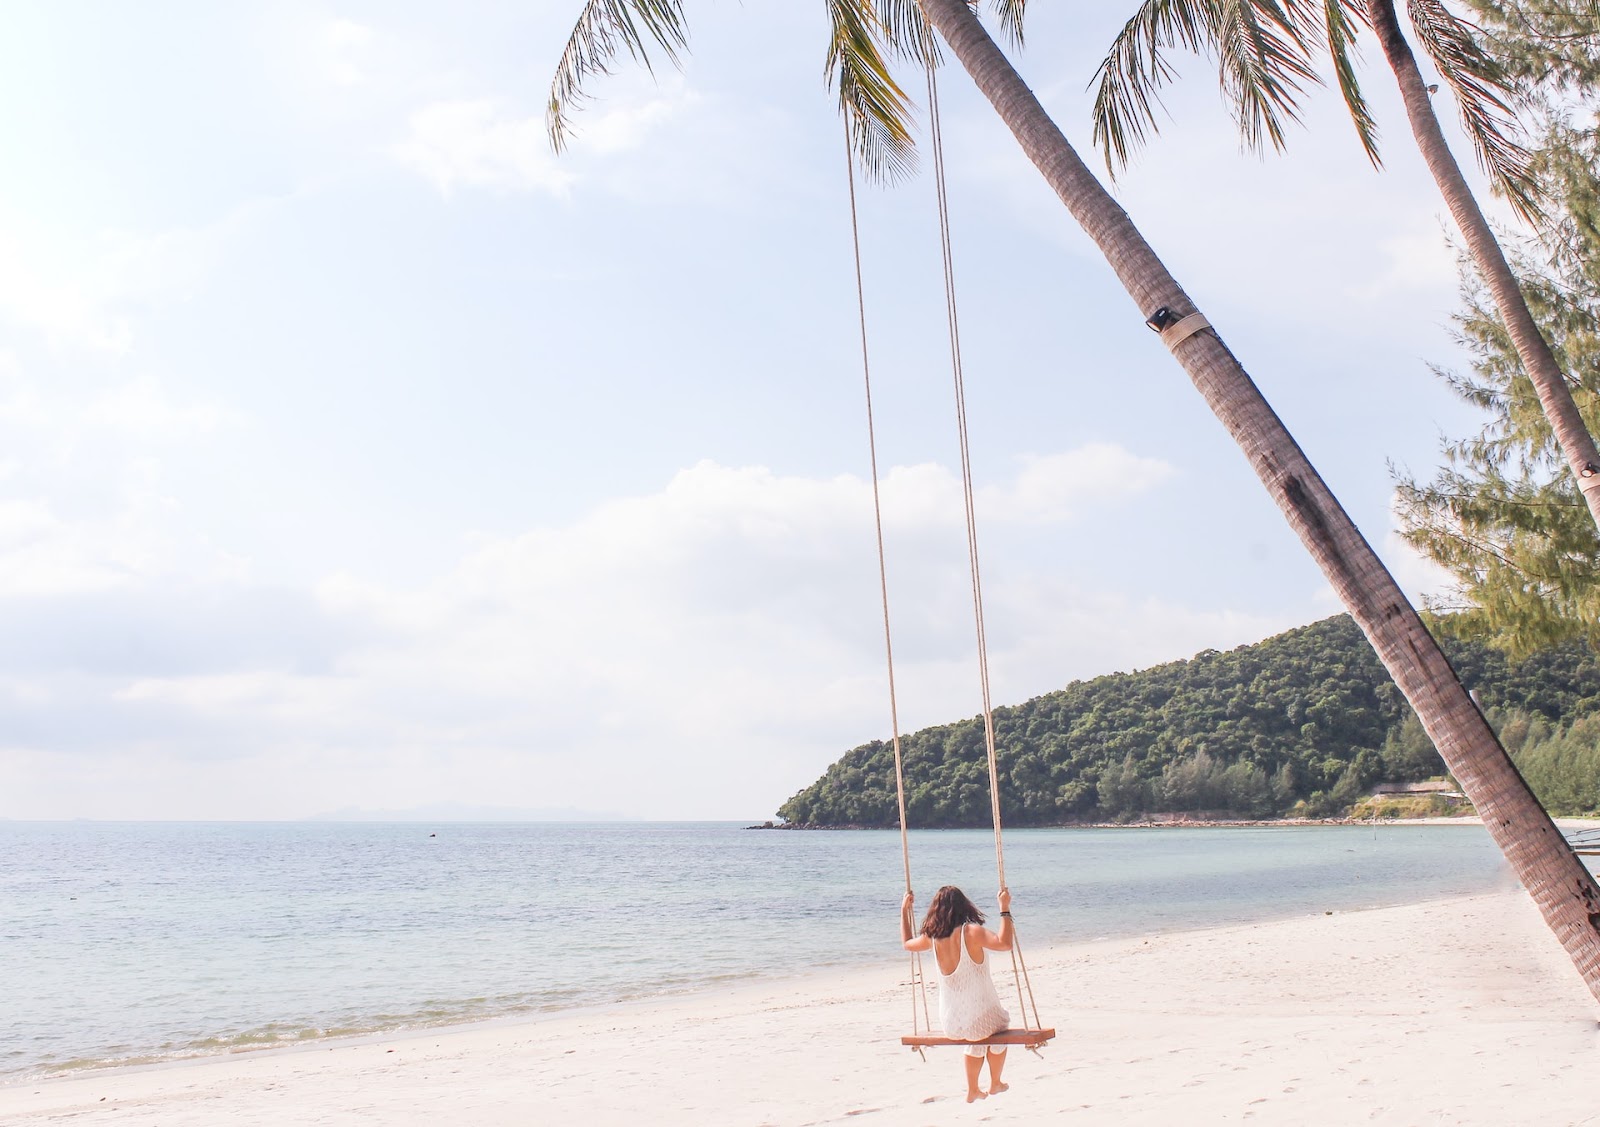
pixel 1030 1038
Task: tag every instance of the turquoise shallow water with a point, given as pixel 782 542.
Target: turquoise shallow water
pixel 124 942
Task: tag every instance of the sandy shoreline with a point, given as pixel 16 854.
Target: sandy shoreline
pixel 1456 1011
pixel 1183 822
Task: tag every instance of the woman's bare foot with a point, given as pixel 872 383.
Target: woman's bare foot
pixel 996 1088
pixel 975 1094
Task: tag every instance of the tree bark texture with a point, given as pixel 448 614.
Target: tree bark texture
pixel 1561 886
pixel 1576 443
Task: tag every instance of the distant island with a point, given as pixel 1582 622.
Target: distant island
pixel 1304 724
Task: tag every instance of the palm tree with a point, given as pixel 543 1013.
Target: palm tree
pixel 1264 49
pixel 1561 886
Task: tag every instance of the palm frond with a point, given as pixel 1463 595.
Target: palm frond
pixel 605 28
pixel 1011 13
pixel 1343 19
pixel 907 31
pixel 1135 69
pixel 878 110
pixel 1264 50
pixel 1483 92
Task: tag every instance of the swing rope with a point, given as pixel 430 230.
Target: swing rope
pixel 1019 967
pixel 958 372
pixel 918 983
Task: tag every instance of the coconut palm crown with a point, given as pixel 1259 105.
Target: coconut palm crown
pixel 866 36
pixel 1266 52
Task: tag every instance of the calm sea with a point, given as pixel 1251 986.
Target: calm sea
pixel 129 942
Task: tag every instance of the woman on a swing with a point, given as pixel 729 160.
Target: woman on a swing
pixel 969 1006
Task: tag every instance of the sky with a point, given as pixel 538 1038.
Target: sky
pixel 358 453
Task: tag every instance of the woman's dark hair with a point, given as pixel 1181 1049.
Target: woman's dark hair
pixel 950 909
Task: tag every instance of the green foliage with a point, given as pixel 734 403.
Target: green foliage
pixel 1504 516
pixel 1545 44
pixel 1122 792
pixel 1562 765
pixel 1306 721
pixel 1408 754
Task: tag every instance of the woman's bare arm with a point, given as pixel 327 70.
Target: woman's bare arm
pixel 909 939
pixel 1002 940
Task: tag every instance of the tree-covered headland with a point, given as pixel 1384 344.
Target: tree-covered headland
pixel 1302 724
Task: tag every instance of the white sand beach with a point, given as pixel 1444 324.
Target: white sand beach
pixel 1457 1011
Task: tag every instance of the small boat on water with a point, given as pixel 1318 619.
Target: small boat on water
pixel 1585 842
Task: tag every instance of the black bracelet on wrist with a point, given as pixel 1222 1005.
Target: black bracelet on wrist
pixel 1005 915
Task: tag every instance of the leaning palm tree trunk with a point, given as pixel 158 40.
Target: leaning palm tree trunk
pixel 1560 885
pixel 1548 382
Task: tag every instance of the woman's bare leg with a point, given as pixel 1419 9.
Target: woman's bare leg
pixel 974 1070
pixel 997 1062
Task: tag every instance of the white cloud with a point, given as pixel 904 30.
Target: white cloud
pixel 476 144
pixel 41 554
pixel 128 540
pixel 87 288
pixel 52 422
pixel 1060 486
pixel 20 402
pixel 41 286
pixel 1411 262
pixel 483 143
pixel 341 46
pixel 84 501
pixel 734 609
pixel 627 124
pixel 1075 633
pixel 139 406
pixel 699 651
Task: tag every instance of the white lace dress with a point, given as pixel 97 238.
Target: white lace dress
pixel 969 1005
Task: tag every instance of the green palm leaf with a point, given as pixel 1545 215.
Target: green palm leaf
pixel 1263 50
pixel 605 28
pixel 907 31
pixel 1011 13
pixel 1482 90
pixel 1343 19
pixel 1134 71
pixel 879 111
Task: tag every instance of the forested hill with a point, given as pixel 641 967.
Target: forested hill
pixel 1301 723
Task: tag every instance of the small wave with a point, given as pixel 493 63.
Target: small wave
pixel 266 1036
pixel 118 1056
pixel 431 1014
